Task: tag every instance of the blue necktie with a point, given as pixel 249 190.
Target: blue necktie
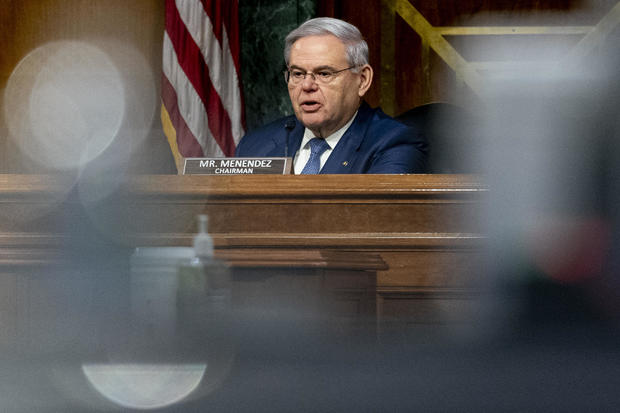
pixel 317 147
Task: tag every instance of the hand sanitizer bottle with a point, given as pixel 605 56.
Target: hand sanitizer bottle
pixel 204 288
pixel 203 243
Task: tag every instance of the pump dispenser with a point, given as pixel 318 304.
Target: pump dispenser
pixel 204 287
pixel 204 295
pixel 203 243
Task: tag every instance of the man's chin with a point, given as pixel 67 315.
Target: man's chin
pixel 311 122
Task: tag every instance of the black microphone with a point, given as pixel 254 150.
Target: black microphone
pixel 289 126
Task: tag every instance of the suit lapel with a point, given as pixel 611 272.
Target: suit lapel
pixel 345 153
pixel 294 141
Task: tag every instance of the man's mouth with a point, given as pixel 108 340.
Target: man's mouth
pixel 310 105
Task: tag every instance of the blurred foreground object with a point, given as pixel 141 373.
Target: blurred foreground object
pixel 553 156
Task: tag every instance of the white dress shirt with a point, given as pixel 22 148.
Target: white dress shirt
pixel 303 154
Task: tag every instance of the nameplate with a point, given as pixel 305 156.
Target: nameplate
pixel 237 166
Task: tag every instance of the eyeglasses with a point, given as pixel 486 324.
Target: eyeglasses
pixel 296 76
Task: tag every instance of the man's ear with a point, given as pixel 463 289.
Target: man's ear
pixel 365 79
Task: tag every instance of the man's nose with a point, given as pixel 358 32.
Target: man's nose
pixel 309 82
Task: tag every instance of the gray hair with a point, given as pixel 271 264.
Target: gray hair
pixel 355 45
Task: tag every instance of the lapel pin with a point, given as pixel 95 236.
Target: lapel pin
pixel 345 163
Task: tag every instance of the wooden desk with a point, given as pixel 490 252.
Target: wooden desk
pixel 426 228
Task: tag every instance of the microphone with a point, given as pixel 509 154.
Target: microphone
pixel 289 126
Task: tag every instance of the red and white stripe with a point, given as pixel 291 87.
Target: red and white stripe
pixel 200 84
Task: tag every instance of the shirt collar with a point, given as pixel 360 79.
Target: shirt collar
pixel 333 139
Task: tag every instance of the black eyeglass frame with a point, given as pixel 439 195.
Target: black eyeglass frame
pixel 287 75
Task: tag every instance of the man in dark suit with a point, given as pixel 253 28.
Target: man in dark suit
pixel 333 131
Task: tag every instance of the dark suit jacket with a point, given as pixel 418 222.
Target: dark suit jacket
pixel 374 143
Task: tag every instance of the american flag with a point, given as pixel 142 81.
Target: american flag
pixel 202 110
